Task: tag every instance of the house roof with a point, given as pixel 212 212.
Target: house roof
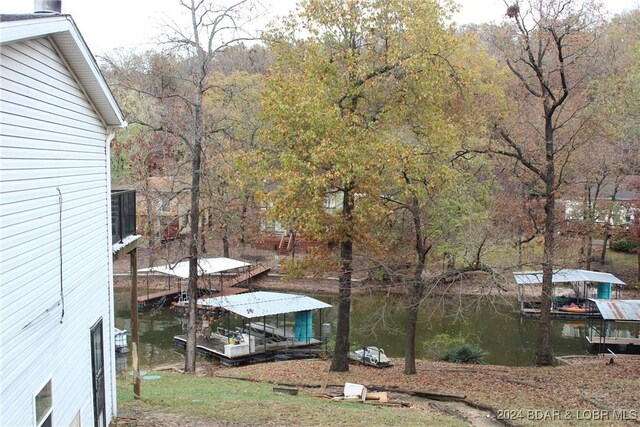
pixel 258 304
pixel 618 310
pixel 206 267
pixel 63 32
pixel 566 275
pixel 625 191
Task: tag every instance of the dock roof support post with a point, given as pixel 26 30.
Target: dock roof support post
pixel 602 332
pixel 133 266
pixel 264 336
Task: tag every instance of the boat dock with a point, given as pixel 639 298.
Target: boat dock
pixel 617 329
pixel 226 287
pixel 570 292
pixel 259 341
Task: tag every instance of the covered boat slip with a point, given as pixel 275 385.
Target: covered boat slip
pixel 214 275
pixel 572 289
pixel 617 327
pixel 258 326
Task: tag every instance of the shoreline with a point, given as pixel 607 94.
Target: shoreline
pixel 314 285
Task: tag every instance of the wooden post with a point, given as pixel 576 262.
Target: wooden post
pixel 134 322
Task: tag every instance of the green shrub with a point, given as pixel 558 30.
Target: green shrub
pixel 625 245
pixel 458 349
pixel 466 353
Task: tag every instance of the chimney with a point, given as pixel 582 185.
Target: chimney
pixel 47 6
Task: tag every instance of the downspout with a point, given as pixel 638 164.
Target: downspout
pixel 114 406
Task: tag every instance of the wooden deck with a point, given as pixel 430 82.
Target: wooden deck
pixel 594 338
pixel 226 288
pixel 557 314
pixel 615 341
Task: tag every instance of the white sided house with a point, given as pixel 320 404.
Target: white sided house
pixel 57 117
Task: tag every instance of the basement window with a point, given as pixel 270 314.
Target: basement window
pixel 44 406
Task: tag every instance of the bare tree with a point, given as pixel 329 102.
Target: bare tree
pixel 213 29
pixel 548 46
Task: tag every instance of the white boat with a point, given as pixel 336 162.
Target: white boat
pixel 372 356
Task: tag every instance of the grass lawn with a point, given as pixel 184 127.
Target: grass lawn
pixel 249 403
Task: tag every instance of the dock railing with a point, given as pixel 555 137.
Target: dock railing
pixel 123 214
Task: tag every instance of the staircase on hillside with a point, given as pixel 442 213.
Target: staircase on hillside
pixel 286 243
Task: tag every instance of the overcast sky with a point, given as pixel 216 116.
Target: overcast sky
pixel 111 24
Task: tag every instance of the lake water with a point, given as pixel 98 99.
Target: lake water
pixel 380 320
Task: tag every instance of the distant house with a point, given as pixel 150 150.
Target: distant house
pixel 57 117
pixel 616 204
pixel 163 208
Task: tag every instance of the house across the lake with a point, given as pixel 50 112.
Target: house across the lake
pixel 618 203
pixel 57 118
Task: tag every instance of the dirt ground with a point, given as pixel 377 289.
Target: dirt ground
pixel 574 393
pixel 585 386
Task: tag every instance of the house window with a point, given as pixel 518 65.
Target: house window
pixel 164 205
pixel 44 406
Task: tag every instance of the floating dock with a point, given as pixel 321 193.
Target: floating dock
pixel 238 354
pixel 557 314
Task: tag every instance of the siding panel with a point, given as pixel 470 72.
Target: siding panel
pixel 50 137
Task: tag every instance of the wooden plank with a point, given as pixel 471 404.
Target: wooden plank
pixel 175 292
pixel 381 396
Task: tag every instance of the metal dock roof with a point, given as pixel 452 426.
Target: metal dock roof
pixel 258 304
pixel 566 275
pixel 627 310
pixel 206 266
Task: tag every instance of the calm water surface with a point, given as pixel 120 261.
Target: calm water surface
pixel 380 320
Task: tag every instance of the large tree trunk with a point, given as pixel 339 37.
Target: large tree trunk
pixel 192 289
pixel 605 242
pixel 416 293
pixel 638 252
pixel 225 246
pixel 415 298
pixel 544 353
pixel 243 219
pixel 340 362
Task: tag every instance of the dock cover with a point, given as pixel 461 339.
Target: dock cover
pixel 622 310
pixel 258 304
pixel 566 275
pixel 206 267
